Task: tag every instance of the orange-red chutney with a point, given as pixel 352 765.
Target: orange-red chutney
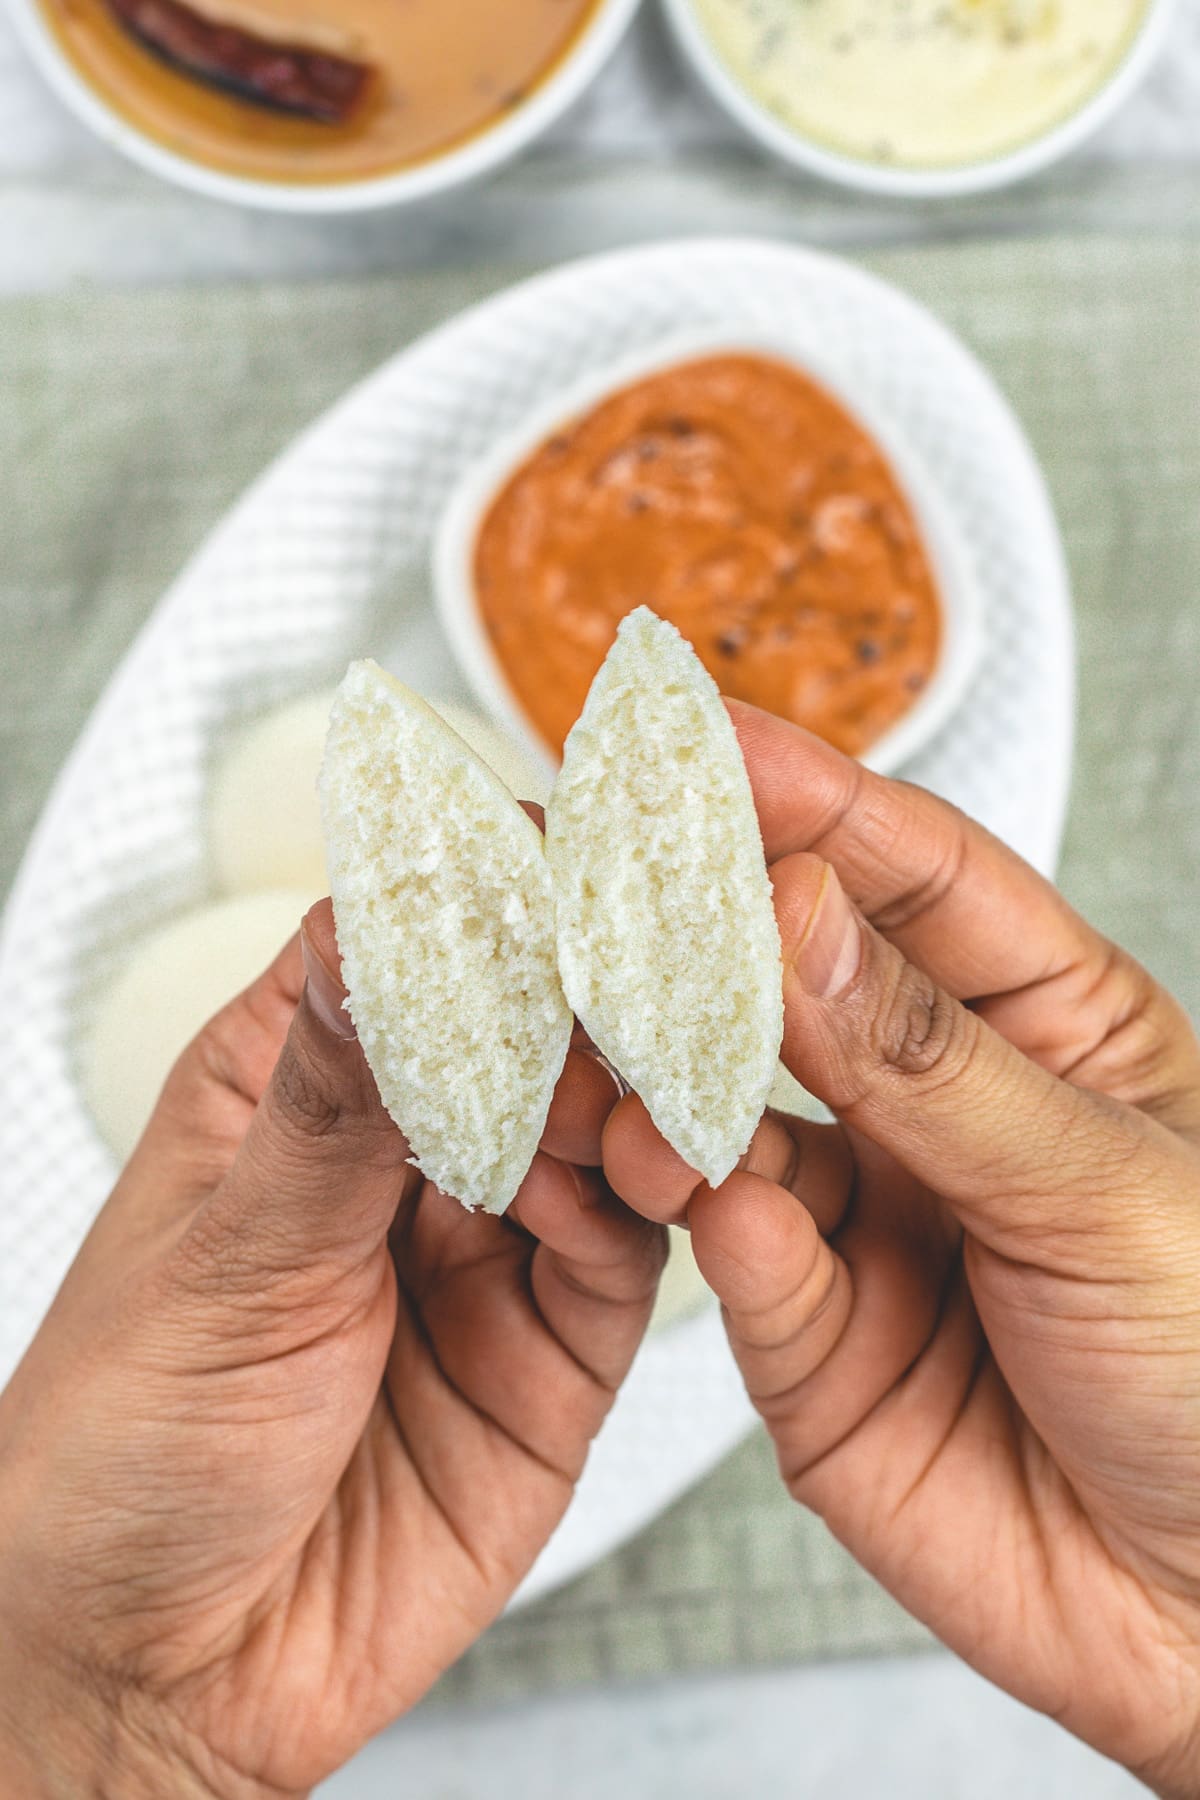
pixel 739 500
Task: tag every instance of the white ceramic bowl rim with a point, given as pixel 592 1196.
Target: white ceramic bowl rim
pixel 973 177
pixel 456 167
pixel 958 587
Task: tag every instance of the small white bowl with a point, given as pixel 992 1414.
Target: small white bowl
pixel 469 162
pixel 953 570
pixel 973 177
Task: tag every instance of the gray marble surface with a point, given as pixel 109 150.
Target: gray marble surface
pixel 71 212
pixel 892 1730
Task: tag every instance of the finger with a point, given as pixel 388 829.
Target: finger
pixel 1104 1023
pixel 785 1293
pixel 586 1093
pixel 951 895
pixel 595 1271
pixel 975 917
pixel 543 1374
pixel 1034 1167
pixel 642 1168
pixel 319 1175
pixel 821 1335
pixel 812 1162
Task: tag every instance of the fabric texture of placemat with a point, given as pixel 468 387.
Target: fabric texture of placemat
pixel 128 423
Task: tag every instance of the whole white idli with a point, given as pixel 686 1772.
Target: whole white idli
pixel 264 816
pixel 264 822
pixel 172 984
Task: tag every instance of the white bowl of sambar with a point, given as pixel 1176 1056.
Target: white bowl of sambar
pixel 320 106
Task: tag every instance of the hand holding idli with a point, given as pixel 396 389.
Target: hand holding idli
pixel 296 1425
pixel 969 1310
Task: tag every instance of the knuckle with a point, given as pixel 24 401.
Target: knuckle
pixel 920 1032
pixel 1137 1043
pixel 950 851
pixel 304 1100
pixel 807 1299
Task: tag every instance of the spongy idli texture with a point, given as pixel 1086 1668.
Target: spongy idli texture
pixel 667 938
pixel 445 921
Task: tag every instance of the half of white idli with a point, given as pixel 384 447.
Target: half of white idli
pixel 667 940
pixel 445 921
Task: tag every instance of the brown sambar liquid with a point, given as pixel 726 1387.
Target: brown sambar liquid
pixel 447 69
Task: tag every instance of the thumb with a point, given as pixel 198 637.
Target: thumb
pixel 322 1169
pixel 1031 1165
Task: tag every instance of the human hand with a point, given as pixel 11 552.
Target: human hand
pixel 969 1311
pixel 296 1424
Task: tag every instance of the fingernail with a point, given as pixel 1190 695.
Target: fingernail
pixel 830 951
pixel 326 995
pixel 618 1081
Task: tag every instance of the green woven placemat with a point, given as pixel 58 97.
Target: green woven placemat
pixel 128 422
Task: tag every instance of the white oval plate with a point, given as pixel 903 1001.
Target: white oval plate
pixel 327 557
